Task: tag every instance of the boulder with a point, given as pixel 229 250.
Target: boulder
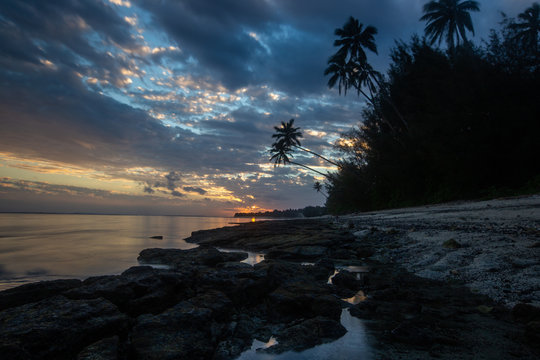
pixel 57 327
pixel 185 331
pixel 525 312
pixel 203 255
pixel 347 280
pixel 34 292
pixel 302 300
pixel 307 334
pixel 105 349
pixel 298 253
pixel 138 290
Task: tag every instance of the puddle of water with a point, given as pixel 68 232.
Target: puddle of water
pixel 332 276
pixel 357 298
pixel 252 259
pixel 352 345
pixel 359 271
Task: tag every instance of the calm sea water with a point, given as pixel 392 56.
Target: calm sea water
pixel 36 247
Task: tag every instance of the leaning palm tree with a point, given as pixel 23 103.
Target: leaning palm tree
pixel 288 135
pixel 281 154
pixel 528 28
pixel 449 19
pixel 318 187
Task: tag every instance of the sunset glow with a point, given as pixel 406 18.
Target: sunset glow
pixel 168 107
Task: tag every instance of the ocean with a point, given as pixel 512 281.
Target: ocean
pixel 35 247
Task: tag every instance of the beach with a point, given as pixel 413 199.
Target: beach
pixel 449 281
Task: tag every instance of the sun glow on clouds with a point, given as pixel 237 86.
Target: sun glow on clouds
pixel 61 173
pixel 184 110
pixel 121 3
pixel 128 182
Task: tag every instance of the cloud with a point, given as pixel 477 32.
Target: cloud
pixel 177 193
pixel 185 87
pixel 172 178
pixel 194 189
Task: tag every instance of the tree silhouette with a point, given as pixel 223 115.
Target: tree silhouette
pixel 529 27
pixel 287 137
pixel 450 18
pixel 318 187
pixel 349 68
pixel 281 154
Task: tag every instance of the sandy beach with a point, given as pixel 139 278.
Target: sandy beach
pixel 493 247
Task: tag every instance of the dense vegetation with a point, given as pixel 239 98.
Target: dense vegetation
pixel 308 211
pixel 443 124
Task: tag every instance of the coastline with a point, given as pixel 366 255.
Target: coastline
pixel 205 304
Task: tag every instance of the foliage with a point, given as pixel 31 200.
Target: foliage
pixel 527 27
pixel 308 211
pixel 473 128
pixel 450 17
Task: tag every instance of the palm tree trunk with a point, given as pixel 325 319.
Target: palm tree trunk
pixel 314 153
pixel 311 169
pixel 326 196
pixel 387 98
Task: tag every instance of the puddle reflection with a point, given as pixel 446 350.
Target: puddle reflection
pixel 352 345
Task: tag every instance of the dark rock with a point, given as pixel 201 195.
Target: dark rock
pixel 185 331
pixel 307 334
pixel 57 327
pixel 532 333
pixel 364 309
pixel 138 290
pixel 158 237
pixel 203 255
pixel 451 244
pixel 265 235
pixel 298 253
pixel 343 254
pixel 105 349
pixel 345 279
pixel 234 256
pixel 410 333
pixel 322 270
pixel 302 299
pixel 216 301
pixel 526 313
pixel 34 292
pixel 230 348
pixel 364 252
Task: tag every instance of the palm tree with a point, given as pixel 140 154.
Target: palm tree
pixel 529 27
pixel 349 68
pixel 287 137
pixel 281 154
pixel 450 17
pixel 318 187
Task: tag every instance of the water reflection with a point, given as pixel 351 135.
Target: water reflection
pixel 36 247
pixel 352 345
pixel 252 259
pixel 357 298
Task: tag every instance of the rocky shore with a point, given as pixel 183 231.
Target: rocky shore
pixel 204 303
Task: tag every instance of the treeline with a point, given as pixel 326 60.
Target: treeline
pixel 309 211
pixel 460 123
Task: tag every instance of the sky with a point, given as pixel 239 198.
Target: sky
pixel 168 106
